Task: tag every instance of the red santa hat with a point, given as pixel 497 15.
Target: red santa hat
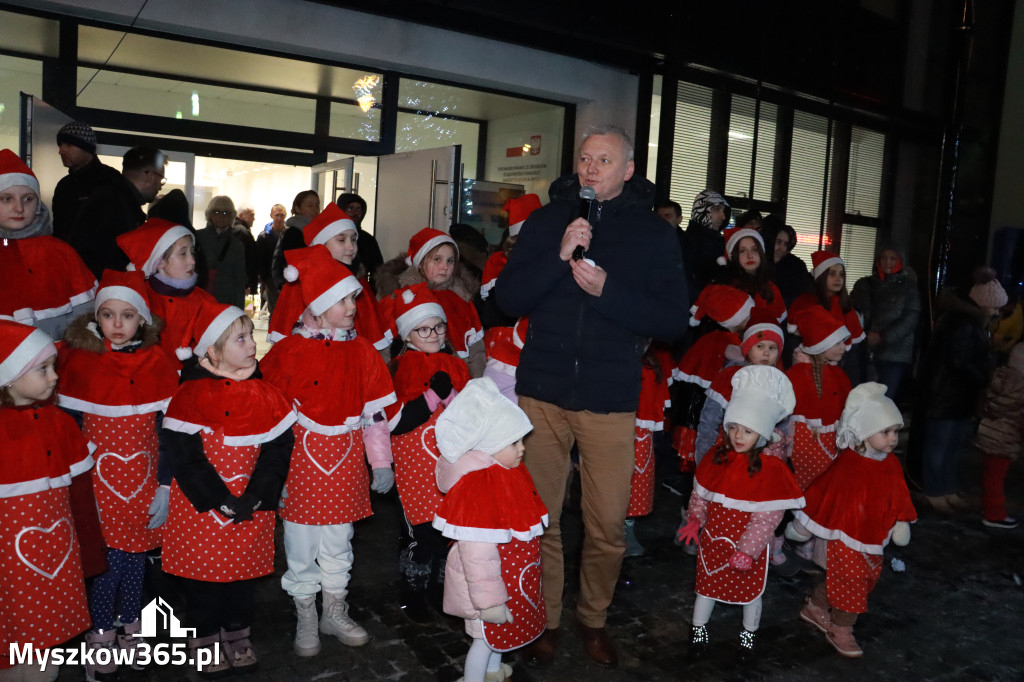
pixel 423 241
pixel 146 245
pixel 733 235
pixel 212 320
pixel 726 305
pixel 14 172
pixel 519 209
pixel 412 306
pixel 322 280
pixel 328 223
pixel 819 331
pixel 129 287
pixel 823 260
pixel 762 327
pixel 22 347
pixel 492 268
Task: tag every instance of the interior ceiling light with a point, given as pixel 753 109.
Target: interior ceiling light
pixel 364 91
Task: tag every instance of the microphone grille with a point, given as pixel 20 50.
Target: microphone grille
pixel 587 193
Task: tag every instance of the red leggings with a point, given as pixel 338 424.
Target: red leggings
pixel 993 479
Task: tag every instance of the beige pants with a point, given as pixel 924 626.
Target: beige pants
pixel 606 468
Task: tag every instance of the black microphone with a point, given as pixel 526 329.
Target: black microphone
pixel 587 195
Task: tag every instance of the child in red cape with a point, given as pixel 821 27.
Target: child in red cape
pixel 119 380
pixel 229 441
pixel 344 397
pixel 493 512
pixel 857 506
pixel 41 584
pixel 739 497
pixel 428 375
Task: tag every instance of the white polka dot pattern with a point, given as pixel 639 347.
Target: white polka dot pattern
pixel 851 577
pixel 327 479
pixel 716 579
pixel 521 573
pixel 416 456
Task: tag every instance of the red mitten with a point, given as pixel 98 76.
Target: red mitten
pixel 689 532
pixel 741 561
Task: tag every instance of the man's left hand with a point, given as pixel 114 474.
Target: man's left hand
pixel 589 277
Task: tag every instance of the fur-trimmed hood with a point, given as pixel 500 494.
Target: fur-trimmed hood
pixel 80 337
pixel 396 274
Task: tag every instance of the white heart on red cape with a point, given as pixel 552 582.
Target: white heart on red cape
pixel 429 444
pixel 316 462
pixel 642 464
pixel 118 466
pixel 63 537
pixel 223 520
pixel 711 539
pixel 529 576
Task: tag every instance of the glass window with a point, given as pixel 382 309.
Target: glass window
pixel 28 34
pixel 523 137
pixel 807 178
pixel 857 250
pixel 867 150
pixel 742 136
pixel 16 76
pixel 652 144
pixel 195 101
pixel 690 145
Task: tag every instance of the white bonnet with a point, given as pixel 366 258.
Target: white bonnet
pixel 867 412
pixel 762 396
pixel 479 418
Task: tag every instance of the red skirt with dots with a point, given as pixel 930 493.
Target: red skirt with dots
pixel 641 488
pixel 716 579
pixel 124 478
pixel 42 593
pixel 327 481
pixel 850 577
pixel 207 545
pixel 813 453
pixel 520 570
pixel 416 456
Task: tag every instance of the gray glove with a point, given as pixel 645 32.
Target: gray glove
pixel 284 496
pixel 383 479
pixel 496 614
pixel 158 507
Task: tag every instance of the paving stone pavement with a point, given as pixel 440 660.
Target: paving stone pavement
pixel 957 613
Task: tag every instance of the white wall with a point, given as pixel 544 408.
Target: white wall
pixel 308 29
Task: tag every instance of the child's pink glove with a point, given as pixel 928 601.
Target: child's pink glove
pixel 741 561
pixel 689 532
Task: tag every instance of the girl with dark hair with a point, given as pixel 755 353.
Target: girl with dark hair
pixel 748 270
pixel 829 294
pixel 739 497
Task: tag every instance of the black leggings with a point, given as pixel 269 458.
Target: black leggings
pixel 212 606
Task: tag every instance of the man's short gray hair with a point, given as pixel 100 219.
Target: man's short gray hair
pixel 609 129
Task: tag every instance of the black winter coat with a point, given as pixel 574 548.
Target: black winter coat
pixel 958 359
pixel 110 211
pixel 73 190
pixel 583 352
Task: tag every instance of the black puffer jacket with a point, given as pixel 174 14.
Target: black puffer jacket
pixel 958 359
pixel 891 307
pixel 583 352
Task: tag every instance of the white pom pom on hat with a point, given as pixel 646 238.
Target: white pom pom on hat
pixel 291 273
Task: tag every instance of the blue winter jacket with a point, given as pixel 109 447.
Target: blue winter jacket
pixel 583 352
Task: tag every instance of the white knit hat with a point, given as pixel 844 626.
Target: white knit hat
pixel 479 418
pixel 762 396
pixel 867 412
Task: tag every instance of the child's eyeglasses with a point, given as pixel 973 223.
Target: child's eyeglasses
pixel 424 332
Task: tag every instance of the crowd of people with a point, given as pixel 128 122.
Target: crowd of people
pixel 140 424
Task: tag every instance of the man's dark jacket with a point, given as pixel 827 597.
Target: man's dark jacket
pixel 73 190
pixel 583 352
pixel 111 211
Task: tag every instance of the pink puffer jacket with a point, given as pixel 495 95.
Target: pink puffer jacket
pixel 472 580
